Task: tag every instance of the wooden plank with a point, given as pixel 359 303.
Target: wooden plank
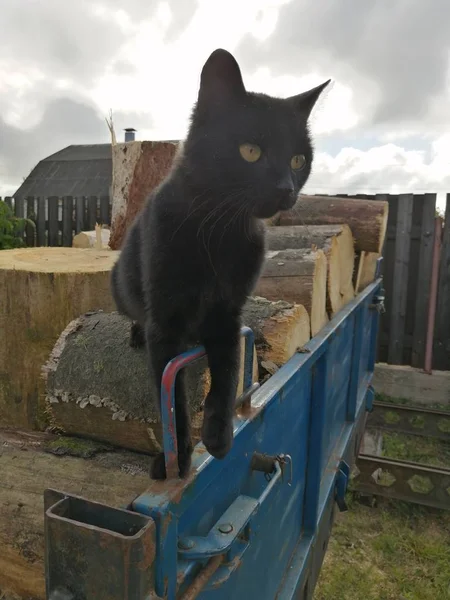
pixel 80 209
pixel 397 317
pixel 388 253
pixel 416 230
pixel 41 222
pixel 67 221
pixel 19 207
pixel 423 280
pixel 29 229
pixel 91 213
pixel 53 225
pixel 441 359
pixel 105 211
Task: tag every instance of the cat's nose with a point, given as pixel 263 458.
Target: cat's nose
pixel 286 185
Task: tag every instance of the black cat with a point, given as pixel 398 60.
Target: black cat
pixel 194 253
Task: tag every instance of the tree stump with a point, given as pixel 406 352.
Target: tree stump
pixel 42 290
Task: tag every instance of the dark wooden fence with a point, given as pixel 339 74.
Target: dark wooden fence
pixel 57 220
pixel 408 257
pixel 407 268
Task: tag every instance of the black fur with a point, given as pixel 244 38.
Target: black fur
pixel 194 253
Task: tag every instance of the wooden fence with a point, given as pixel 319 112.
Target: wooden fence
pixel 407 268
pixel 57 220
pixel 408 257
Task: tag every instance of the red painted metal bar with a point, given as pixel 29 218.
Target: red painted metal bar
pixel 168 417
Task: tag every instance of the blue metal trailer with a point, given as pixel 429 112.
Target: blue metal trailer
pixel 254 526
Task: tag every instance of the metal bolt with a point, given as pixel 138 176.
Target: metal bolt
pixel 226 528
pixel 185 544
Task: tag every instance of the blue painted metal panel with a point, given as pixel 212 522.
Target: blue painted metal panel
pixel 312 409
pixel 256 524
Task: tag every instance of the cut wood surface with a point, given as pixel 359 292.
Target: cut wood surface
pixel 297 276
pixel 99 387
pixel 138 167
pixel 367 219
pixel 279 327
pixel 337 243
pixel 367 266
pixel 42 289
pixel 98 239
pixel 26 471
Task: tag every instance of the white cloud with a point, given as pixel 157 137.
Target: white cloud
pixel 165 79
pixel 387 168
pixel 138 69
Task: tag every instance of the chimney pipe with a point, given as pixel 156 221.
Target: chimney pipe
pixel 129 134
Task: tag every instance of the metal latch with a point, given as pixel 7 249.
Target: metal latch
pixel 232 530
pixel 378 303
pixel 266 464
pixel 237 517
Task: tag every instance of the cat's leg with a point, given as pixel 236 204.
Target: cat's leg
pixel 162 349
pixel 137 335
pixel 221 338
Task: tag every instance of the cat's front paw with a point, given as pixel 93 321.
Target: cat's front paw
pixel 217 436
pixel 158 466
pixel 137 336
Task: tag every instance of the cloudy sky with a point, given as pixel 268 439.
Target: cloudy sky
pixel 383 126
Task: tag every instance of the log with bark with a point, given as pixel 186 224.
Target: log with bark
pixel 297 276
pixel 99 387
pixel 367 219
pixel 42 289
pixel 366 269
pixel 337 243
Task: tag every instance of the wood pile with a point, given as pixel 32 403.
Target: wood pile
pixel 99 387
pixel 337 243
pixel 57 317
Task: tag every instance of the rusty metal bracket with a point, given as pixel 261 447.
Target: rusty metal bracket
pixel 84 539
pixel 409 420
pixel 402 480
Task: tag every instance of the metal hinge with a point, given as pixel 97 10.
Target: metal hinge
pixel 342 478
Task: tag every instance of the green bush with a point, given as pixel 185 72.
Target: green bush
pixel 11 228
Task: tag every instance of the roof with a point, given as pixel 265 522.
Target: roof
pixel 81 170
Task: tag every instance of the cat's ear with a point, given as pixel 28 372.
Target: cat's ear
pixel 221 81
pixel 304 103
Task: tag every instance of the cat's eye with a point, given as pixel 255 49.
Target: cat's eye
pixel 298 162
pixel 250 152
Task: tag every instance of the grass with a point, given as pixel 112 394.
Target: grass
pixel 73 446
pixel 415 448
pixel 381 397
pixel 395 551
